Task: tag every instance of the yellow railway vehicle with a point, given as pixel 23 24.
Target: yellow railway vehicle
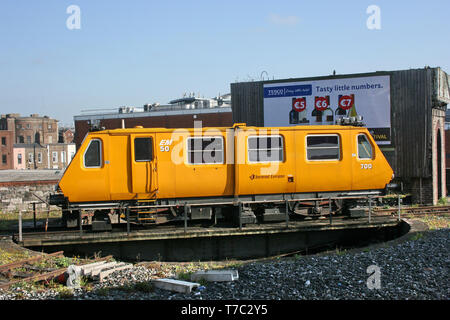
pixel 249 173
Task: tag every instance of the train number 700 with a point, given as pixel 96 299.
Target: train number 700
pixel 366 166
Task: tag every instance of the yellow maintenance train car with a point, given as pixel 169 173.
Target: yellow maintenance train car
pixel 209 173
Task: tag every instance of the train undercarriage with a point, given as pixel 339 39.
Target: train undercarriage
pixel 237 211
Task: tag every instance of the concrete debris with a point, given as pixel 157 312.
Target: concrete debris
pixel 175 285
pixel 215 275
pixel 98 270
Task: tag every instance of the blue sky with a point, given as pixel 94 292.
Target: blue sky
pixel 136 52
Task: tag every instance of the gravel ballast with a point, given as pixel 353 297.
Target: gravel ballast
pixel 414 269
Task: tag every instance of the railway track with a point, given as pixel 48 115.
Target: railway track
pixel 37 268
pixel 414 211
pixel 43 267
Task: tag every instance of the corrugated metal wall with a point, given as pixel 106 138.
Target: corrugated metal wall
pixel 411 116
pixel 247 103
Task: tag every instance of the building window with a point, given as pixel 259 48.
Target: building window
pixel 4 141
pixel 28 126
pixel 4 158
pixel 40 126
pixel 143 148
pixel 19 158
pixel 92 155
pixel 364 147
pixel 322 147
pixel 54 156
pixel 49 126
pixel 205 150
pixel 63 157
pixel 30 158
pixel 21 139
pixel 265 148
pixel 29 139
pixel 19 126
pixel 40 157
pixel 50 139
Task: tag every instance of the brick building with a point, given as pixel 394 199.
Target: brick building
pixel 6 149
pixel 66 135
pixel 32 143
pixel 447 149
pixel 36 156
pixel 32 129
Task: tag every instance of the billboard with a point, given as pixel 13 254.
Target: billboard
pixel 318 102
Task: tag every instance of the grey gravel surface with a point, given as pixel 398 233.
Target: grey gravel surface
pixel 415 269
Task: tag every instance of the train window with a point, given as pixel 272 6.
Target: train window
pixel 92 155
pixel 322 147
pixel 205 150
pixel 364 147
pixel 143 148
pixel 265 149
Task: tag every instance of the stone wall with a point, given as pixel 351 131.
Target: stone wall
pixel 18 187
pixel 20 197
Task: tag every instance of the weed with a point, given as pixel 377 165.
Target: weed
pixel 185 276
pixel 144 286
pixel 65 293
pixel 11 256
pixel 62 262
pixel 234 265
pixel 416 236
pixel 340 252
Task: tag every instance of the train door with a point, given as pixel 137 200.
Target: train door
pixel 326 163
pixel 143 165
pixel 363 164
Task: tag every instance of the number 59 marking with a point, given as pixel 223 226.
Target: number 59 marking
pixel 366 166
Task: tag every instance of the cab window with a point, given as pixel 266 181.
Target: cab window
pixel 93 155
pixel 323 147
pixel 143 149
pixel 364 147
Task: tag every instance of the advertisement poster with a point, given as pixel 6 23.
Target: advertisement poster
pixel 321 102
